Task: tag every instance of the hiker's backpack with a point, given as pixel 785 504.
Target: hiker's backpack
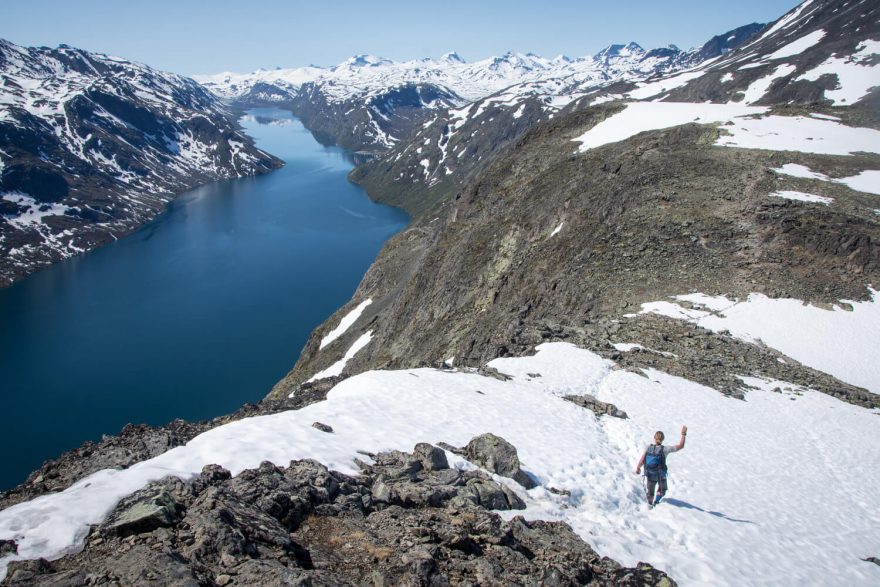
pixel 655 461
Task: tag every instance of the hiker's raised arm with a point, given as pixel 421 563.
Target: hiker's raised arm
pixel 641 462
pixel 684 431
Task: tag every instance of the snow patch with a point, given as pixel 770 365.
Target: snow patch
pixel 626 347
pixel 639 117
pixel 837 341
pixel 867 181
pixel 336 368
pixel 855 74
pixel 759 87
pixel 802 197
pixel 799 46
pixel 648 90
pixel 802 171
pixel 34 212
pixel 345 323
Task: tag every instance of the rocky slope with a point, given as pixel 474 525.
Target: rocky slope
pixel 92 146
pixel 408 519
pixel 550 242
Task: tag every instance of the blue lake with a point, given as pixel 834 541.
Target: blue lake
pixel 198 312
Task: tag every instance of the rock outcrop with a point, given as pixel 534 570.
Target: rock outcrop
pixel 499 456
pixel 407 519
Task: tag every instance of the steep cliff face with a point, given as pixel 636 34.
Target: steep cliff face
pixel 92 146
pixel 549 243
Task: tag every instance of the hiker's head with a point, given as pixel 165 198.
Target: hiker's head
pixel 658 437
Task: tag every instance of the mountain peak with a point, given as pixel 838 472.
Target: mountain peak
pixel 452 57
pixel 364 61
pixel 619 50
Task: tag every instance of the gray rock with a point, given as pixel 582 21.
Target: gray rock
pixel 487 494
pixel 499 456
pixel 213 474
pixel 144 511
pixel 143 565
pixel 8 547
pixel 322 427
pixel 431 457
pixel 598 407
pixel 453 449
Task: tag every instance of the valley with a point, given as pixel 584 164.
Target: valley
pixel 598 248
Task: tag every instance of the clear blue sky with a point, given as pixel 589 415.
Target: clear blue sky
pixel 189 37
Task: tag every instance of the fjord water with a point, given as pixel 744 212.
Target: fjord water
pixel 195 314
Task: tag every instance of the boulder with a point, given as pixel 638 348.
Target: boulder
pixel 8 547
pixel 431 457
pixel 322 427
pixel 597 407
pixel 144 511
pixel 499 456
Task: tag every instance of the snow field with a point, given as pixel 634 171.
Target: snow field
pixel 856 74
pixel 867 181
pixel 743 127
pixel 758 496
pixel 755 498
pixel 841 342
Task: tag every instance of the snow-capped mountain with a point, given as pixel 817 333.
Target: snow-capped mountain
pixel 92 146
pixel 819 53
pixel 371 103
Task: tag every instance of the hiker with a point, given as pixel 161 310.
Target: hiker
pixel 654 461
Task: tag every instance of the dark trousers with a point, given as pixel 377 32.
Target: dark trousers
pixel 655 481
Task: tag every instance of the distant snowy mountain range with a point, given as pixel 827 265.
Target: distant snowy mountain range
pixel 372 103
pixel 92 146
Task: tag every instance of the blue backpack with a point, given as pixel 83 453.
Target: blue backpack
pixel 655 462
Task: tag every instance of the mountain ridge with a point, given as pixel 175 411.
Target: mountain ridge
pixel 319 97
pixel 94 146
